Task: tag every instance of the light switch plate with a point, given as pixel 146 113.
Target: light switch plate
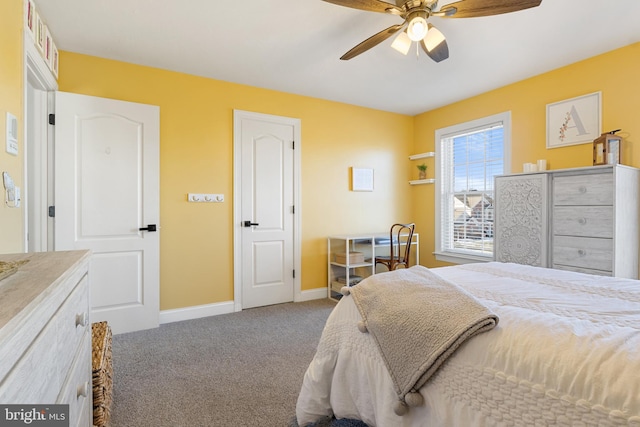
pixel 12 134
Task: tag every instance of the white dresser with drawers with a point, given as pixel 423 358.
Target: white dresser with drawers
pixel 45 333
pixel 583 219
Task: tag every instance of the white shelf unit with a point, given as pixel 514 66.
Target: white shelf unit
pixel 367 244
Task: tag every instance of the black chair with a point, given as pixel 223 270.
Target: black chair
pixel 400 238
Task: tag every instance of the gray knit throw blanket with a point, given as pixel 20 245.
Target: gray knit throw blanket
pixel 417 320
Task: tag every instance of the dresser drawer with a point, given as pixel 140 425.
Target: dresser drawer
pixel 73 323
pixel 585 221
pixel 35 378
pixel 77 390
pixel 582 190
pixel 582 270
pixel 583 252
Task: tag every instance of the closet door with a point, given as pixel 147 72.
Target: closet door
pixel 521 224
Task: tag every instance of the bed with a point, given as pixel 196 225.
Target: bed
pixel 565 352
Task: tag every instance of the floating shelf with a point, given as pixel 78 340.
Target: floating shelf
pixel 422 155
pixel 422 181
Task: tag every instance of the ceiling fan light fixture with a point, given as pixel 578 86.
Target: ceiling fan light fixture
pixel 415 14
pixel 402 43
pixel 417 29
pixel 433 38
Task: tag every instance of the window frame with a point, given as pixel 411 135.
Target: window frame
pixel 440 253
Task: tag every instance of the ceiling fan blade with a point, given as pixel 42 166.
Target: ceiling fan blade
pixel 372 41
pixel 369 5
pixel 474 8
pixel 435 45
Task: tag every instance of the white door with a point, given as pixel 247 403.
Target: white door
pixel 106 193
pixel 265 145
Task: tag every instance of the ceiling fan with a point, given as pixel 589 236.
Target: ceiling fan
pixel 415 14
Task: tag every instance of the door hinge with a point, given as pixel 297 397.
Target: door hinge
pixel 294 274
pixel 52 119
pixel 293 145
pixel 293 209
pixel 52 211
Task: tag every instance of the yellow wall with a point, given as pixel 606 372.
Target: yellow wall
pixel 11 219
pixel 615 74
pixel 196 155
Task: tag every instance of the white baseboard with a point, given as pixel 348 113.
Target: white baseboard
pixel 198 311
pixel 195 312
pixel 318 293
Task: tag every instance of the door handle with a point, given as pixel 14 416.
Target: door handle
pixel 150 228
pixel 250 224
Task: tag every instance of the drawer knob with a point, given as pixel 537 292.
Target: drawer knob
pixel 582 252
pixel 83 390
pixel 582 189
pixel 81 319
pixel 582 221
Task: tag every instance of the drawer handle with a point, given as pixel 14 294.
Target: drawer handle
pixel 582 189
pixel 582 252
pixel 582 221
pixel 83 390
pixel 81 319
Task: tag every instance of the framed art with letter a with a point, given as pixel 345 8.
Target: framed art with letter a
pixel 574 121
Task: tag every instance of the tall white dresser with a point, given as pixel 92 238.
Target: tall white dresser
pixel 45 333
pixel 583 219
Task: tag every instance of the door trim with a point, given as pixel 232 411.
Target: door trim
pixel 238 116
pixel 39 164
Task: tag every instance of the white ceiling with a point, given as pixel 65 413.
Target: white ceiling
pixel 294 45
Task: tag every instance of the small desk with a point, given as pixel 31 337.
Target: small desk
pixel 349 270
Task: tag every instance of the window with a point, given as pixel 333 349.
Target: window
pixel 469 156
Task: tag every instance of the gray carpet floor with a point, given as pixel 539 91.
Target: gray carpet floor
pixel 239 369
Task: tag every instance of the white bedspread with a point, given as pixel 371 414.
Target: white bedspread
pixel 565 353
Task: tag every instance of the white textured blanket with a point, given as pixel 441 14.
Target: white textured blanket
pixel 565 354
pixel 417 319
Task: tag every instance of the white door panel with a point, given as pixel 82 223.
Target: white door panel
pixel 269 153
pixel 266 199
pixel 106 190
pixel 110 150
pixel 126 288
pixel 270 263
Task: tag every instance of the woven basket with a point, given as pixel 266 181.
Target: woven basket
pixel 102 368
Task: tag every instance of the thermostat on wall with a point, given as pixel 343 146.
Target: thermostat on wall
pixel 12 134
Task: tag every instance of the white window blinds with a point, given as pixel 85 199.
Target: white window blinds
pixel 469 158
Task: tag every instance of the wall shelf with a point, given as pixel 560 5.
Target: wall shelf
pixel 422 155
pixel 422 181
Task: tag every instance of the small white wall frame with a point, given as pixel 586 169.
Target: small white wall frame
pixel 361 179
